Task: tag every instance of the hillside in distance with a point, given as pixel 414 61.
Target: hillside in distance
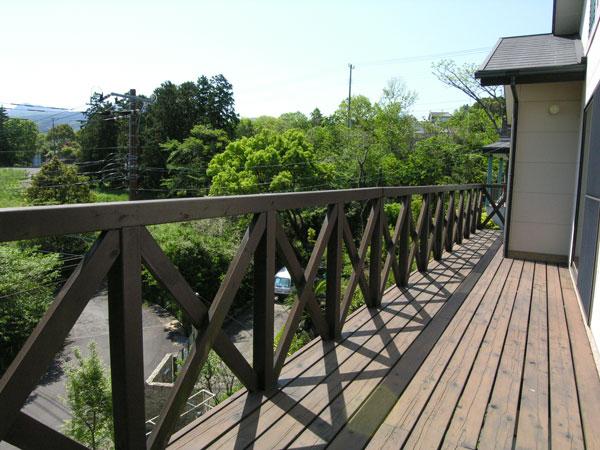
pixel 44 116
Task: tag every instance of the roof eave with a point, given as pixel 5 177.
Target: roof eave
pixel 573 72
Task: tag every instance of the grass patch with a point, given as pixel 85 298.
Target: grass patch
pixel 99 196
pixel 11 184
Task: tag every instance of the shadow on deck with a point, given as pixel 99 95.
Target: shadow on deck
pixel 481 351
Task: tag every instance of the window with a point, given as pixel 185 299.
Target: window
pixel 282 282
pixel 593 4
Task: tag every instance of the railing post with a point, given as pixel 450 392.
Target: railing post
pixel 404 244
pixel 450 221
pixel 264 297
pixel 334 272
pixel 375 256
pixel 126 342
pixel 460 220
pixel 469 215
pixel 438 238
pixel 476 211
pixel 423 253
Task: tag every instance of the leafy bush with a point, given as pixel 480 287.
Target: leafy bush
pixel 58 183
pixel 27 280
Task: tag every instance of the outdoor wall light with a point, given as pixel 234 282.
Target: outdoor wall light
pixel 553 109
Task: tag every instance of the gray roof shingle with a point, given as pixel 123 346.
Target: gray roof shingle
pixel 535 53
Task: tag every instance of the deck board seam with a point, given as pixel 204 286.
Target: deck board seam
pixel 468 376
pixel 456 346
pixel 493 385
pixel 518 411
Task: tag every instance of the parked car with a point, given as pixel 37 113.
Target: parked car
pixel 283 283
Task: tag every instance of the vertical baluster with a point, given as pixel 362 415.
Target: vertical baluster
pixel 264 296
pixel 469 208
pixel 334 271
pixel 438 241
pixel 424 232
pixel 476 211
pixel 404 243
pixel 126 343
pixel 375 257
pixel 460 220
pixel 450 221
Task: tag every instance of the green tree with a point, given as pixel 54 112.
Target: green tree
pixel 471 128
pixel 58 183
pixel 62 141
pixel 489 98
pixel 3 136
pixel 176 109
pixel 188 160
pixel 89 399
pixel 99 134
pixel 21 142
pixel 27 282
pixel 268 162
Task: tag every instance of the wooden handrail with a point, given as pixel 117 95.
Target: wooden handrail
pixel 448 214
pixel 41 221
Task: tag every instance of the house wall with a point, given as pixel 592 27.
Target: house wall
pixel 545 172
pixel 591 46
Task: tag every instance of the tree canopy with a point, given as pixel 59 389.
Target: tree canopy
pixel 268 161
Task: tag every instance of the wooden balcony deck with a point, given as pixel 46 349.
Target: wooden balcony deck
pixel 480 352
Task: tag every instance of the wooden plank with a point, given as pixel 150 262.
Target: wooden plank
pixel 501 414
pixel 219 420
pixel 373 409
pixel 334 273
pixel 38 221
pixel 425 407
pixel 286 400
pixel 586 373
pixel 28 433
pixel 565 421
pixel 217 312
pixel 465 425
pixel 126 343
pixel 48 337
pixel 533 425
pixel 264 305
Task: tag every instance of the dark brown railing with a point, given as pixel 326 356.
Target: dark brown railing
pixel 448 214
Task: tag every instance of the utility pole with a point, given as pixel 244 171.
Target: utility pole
pixel 133 142
pixel 350 66
pixel 132 146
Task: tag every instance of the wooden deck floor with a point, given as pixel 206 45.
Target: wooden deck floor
pixel 481 352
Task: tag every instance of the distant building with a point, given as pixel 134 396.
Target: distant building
pixel 439 117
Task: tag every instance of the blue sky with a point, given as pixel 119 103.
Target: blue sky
pixel 279 55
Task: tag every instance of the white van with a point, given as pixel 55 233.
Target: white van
pixel 283 283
